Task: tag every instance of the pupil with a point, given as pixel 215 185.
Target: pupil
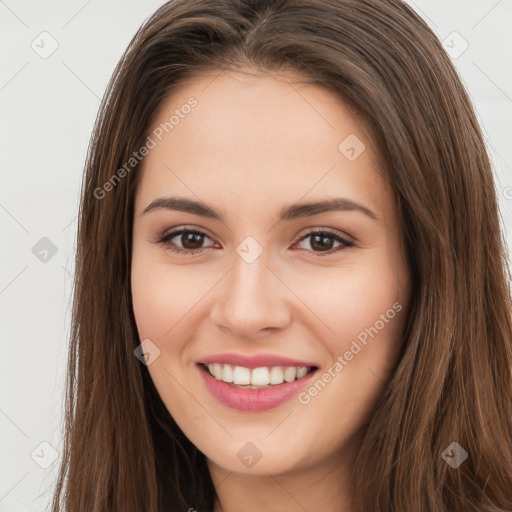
pixel 325 242
pixel 194 238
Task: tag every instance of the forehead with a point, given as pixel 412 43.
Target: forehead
pixel 270 134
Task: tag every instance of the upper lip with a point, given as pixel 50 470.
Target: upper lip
pixel 255 361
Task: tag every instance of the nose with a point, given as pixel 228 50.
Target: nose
pixel 253 301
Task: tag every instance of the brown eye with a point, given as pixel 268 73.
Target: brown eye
pixel 323 241
pixel 191 241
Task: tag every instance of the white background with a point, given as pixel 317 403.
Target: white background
pixel 47 110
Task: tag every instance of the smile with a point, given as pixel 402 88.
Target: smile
pixel 254 389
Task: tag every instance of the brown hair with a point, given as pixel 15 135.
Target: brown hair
pixel 453 382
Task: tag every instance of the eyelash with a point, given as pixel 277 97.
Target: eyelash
pixel 165 239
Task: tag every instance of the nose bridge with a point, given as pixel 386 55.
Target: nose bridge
pixel 251 298
pixel 248 289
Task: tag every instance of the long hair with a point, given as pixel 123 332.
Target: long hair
pixel 123 452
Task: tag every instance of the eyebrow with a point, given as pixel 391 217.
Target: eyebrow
pixel 295 211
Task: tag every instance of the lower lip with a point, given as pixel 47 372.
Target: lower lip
pixel 244 399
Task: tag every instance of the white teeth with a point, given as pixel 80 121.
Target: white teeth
pixel 241 375
pixel 227 374
pixel 301 372
pixel 257 377
pixel 217 371
pixel 260 377
pixel 290 373
pixel 276 375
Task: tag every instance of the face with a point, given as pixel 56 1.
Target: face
pixel 242 275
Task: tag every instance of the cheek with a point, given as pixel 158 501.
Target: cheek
pixel 161 294
pixel 163 307
pixel 152 306
pixel 168 299
pixel 346 301
pixel 365 313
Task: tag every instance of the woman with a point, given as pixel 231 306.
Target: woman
pixel 291 283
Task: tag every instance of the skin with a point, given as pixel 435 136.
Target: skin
pixel 253 145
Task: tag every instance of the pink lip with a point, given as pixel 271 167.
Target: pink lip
pixel 255 361
pixel 244 399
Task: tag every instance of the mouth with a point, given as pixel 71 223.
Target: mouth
pixel 254 389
